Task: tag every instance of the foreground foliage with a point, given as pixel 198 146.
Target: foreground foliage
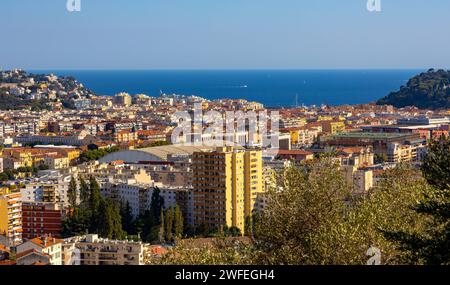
pixel 312 218
pixel 431 245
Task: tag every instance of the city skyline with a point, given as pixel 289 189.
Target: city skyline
pixel 326 34
pixel 224 132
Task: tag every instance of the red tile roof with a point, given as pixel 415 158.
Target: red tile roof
pixel 46 242
pixel 294 152
pixel 28 252
pixel 4 248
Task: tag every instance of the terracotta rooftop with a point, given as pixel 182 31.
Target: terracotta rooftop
pixel 351 149
pixel 294 152
pixel 4 248
pixel 46 242
pixel 28 252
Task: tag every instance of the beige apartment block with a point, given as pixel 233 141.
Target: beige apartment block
pixel 92 250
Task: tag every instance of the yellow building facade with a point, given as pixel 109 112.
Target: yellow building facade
pixel 226 182
pixel 333 127
pixel 11 217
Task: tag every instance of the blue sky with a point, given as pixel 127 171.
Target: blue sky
pixel 224 34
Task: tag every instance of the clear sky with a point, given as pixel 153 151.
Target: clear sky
pixel 224 34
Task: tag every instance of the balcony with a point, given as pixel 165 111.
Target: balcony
pixel 109 250
pixel 107 258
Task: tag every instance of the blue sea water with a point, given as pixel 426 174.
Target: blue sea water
pixel 273 88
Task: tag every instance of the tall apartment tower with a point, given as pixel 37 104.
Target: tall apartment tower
pixel 226 182
pixel 11 217
pixel 123 99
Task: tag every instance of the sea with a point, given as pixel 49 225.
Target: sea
pixel 273 88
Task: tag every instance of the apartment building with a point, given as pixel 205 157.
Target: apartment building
pixel 45 249
pixel 92 250
pixel 356 156
pixel 40 219
pixel 296 155
pixel 11 216
pixel 175 175
pixel 253 179
pixel 139 196
pixel 57 161
pixel 407 152
pixel 71 139
pixel 226 182
pixel 54 158
pixel 292 122
pixel 123 99
pixel 378 141
pixel 360 178
pixel 304 136
pixel 125 136
pixel 48 190
pixel 262 199
pixel 333 127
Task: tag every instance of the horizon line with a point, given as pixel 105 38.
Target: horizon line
pixel 228 69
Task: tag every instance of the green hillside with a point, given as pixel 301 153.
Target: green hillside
pixel 429 90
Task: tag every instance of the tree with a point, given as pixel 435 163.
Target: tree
pixel 4 177
pixel 147 222
pixel 388 207
pixel 156 204
pixel 109 221
pixel 234 232
pixel 248 229
pixel 105 222
pixel 84 192
pixel 127 217
pixel 169 224
pixel 72 193
pixel 436 164
pixel 178 222
pixel 152 217
pixel 380 158
pixel 76 224
pixel 311 217
pixel 96 154
pixel 222 251
pixel 161 228
pixel 306 201
pixel 138 226
pixel 95 200
pixel 117 229
pixel 432 245
pixel 426 91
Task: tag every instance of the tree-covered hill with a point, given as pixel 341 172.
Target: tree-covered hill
pixel 428 90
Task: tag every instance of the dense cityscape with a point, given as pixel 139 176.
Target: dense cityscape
pixel 206 141
pixel 104 180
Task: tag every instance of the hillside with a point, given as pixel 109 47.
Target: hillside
pixel 428 90
pixel 22 90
